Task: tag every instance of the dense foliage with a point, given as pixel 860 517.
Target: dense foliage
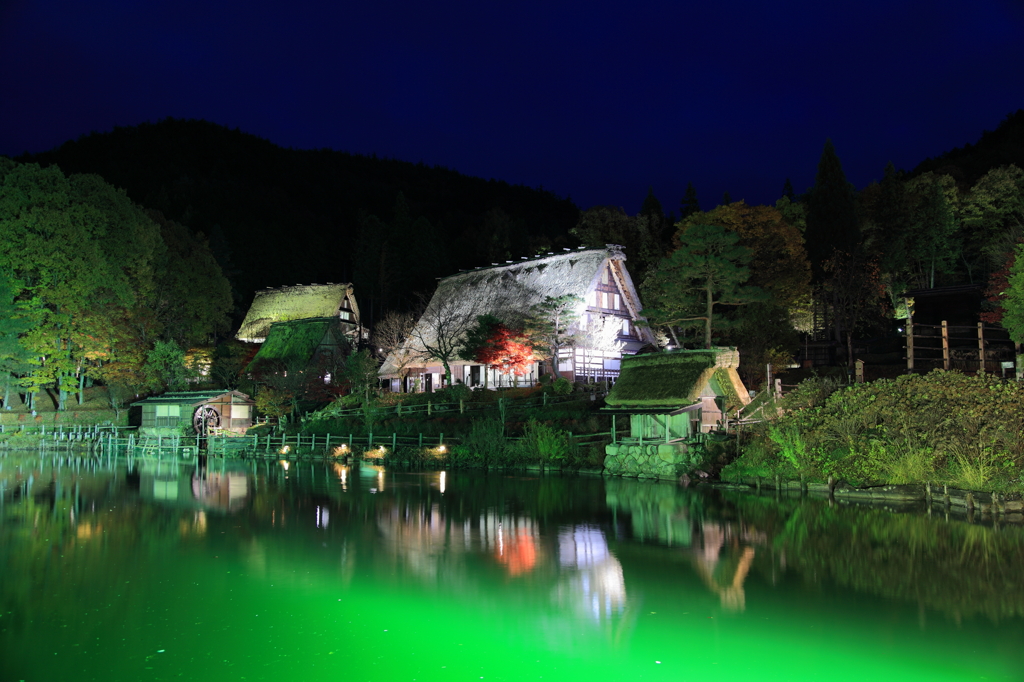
pixel 943 426
pixel 99 289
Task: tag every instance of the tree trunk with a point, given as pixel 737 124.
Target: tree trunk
pixel 707 320
pixel 554 361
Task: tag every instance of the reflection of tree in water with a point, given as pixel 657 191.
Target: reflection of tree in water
pixel 956 568
pixel 71 543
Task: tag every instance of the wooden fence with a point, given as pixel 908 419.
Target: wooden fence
pixel 462 406
pixel 970 348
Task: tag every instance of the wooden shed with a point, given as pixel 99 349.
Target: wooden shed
pixel 200 412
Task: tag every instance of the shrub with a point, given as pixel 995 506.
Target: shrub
pixel 561 386
pixel 939 426
pixel 485 441
pixel 545 443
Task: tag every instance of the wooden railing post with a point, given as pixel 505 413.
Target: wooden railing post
pixel 945 345
pixel 910 343
pixel 981 346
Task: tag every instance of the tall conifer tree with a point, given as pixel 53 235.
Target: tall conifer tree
pixel 689 205
pixel 832 221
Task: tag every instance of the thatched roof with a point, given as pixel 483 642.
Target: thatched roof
pixel 293 343
pixel 677 379
pixel 302 301
pixel 509 290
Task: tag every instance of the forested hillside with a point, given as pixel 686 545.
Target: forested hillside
pixel 278 216
pixel 1000 147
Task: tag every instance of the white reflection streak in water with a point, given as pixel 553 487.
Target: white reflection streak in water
pixel 323 516
pixel 599 587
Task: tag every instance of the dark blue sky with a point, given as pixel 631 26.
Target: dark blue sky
pixel 592 100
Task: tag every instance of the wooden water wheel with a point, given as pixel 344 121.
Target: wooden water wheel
pixel 205 419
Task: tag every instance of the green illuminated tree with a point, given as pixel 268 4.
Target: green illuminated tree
pixel 1012 299
pixel 193 297
pixel 14 357
pixel 551 325
pixel 992 219
pixel 933 226
pixel 778 262
pixel 167 366
pixel 708 269
pixel 361 373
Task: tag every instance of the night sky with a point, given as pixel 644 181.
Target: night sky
pixel 595 101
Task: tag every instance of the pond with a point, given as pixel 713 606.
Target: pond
pixel 155 570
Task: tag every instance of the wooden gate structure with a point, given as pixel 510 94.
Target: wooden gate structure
pixel 974 348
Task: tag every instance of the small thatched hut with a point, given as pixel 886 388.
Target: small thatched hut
pixel 670 398
pixel 607 316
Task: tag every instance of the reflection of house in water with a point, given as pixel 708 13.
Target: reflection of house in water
pixel 184 486
pixel 434 547
pixel 227 491
pixel 723 575
pixel 597 588
pixel 663 513
pixel 656 512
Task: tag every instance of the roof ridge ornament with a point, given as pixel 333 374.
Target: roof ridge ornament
pixel 616 251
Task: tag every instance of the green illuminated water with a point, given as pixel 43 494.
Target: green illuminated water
pixel 254 572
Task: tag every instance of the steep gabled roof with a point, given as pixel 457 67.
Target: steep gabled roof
pixel 676 379
pixel 509 291
pixel 293 343
pixel 302 301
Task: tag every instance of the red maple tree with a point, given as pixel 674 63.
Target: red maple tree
pixel 507 351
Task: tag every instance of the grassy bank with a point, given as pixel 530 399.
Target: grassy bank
pixel 517 427
pixel 943 427
pixel 94 409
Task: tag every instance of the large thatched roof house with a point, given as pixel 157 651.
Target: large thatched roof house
pixel 301 302
pixel 608 315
